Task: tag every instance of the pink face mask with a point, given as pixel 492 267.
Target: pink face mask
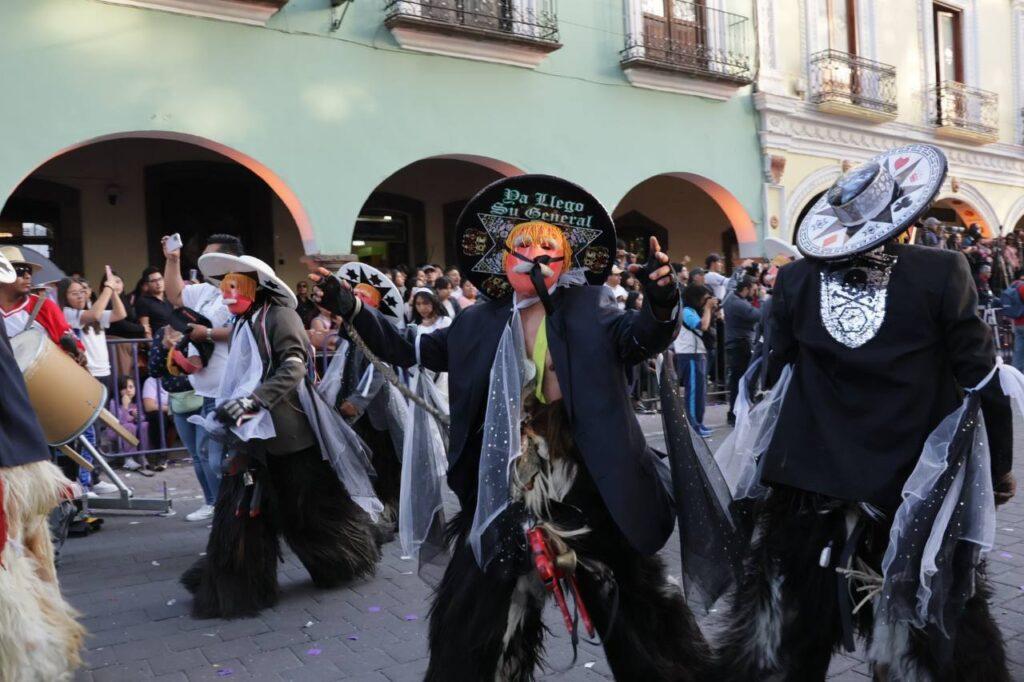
pixel 537 245
pixel 239 293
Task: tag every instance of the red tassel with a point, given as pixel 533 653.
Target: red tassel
pixel 3 524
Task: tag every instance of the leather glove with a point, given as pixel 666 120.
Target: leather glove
pixel 663 297
pixel 1005 489
pixel 233 410
pixel 337 300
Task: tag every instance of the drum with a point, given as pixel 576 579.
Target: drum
pixel 66 398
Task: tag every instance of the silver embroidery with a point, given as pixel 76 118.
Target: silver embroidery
pixel 853 299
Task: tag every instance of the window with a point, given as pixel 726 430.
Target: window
pixel 949 61
pixel 837 25
pixel 674 31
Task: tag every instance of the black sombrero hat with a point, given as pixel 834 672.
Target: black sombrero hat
pixel 391 305
pixel 872 203
pixel 491 215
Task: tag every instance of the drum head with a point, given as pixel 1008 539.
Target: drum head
pixel 28 346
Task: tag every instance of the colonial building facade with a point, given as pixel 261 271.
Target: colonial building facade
pixel 322 129
pixel 841 80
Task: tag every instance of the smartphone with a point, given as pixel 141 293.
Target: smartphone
pixel 193 275
pixel 174 242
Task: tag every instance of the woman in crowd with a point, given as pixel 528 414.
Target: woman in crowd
pixel 469 293
pixel 690 353
pixel 322 331
pixel 429 315
pixel 90 321
pixel 89 324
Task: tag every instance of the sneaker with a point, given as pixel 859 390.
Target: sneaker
pixel 158 467
pixel 202 514
pixel 105 488
pixel 90 494
pixel 704 431
pixel 131 465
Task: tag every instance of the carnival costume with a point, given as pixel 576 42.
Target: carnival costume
pixel 299 470
pixel 39 636
pixel 352 381
pixel 869 454
pixel 559 491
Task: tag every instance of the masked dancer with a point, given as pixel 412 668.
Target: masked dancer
pixel 299 471
pixel 375 409
pixel 558 489
pixel 880 473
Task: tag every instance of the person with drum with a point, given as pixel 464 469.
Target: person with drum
pixel 21 309
pixel 39 636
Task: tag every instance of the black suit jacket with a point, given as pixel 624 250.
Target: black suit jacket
pixel 21 437
pixel 855 419
pixel 591 341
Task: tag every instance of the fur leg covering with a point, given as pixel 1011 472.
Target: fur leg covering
pixel 646 627
pixel 39 636
pixel 898 653
pixel 784 620
pixel 238 576
pixel 481 626
pixel 332 536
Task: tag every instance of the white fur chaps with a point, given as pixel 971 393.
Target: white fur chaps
pixel 40 639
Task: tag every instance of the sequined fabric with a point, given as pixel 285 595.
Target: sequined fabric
pixel 853 298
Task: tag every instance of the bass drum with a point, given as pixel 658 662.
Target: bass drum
pixel 66 398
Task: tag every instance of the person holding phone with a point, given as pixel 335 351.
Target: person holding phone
pixel 205 299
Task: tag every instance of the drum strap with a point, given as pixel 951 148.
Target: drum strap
pixel 40 300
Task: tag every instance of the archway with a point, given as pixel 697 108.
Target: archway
pixel 410 217
pixel 125 191
pixel 956 213
pixel 690 214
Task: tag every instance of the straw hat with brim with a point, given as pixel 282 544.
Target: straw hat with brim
pixel 215 265
pixel 872 203
pixel 14 256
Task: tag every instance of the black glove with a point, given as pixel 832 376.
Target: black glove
pixel 661 297
pixel 233 410
pixel 337 300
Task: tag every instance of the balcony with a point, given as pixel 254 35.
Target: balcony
pixel 516 32
pixel 852 86
pixel 253 12
pixel 962 113
pixel 701 51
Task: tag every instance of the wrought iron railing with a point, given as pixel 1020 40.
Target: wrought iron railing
pixel 848 79
pixel 534 19
pixel 697 39
pixel 954 105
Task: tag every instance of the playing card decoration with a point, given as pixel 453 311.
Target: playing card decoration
pixel 872 203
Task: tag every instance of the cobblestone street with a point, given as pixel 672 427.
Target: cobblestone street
pixel 124 579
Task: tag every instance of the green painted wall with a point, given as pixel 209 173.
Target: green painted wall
pixel 335 114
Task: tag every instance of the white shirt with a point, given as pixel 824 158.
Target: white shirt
pixel 207 300
pixel 717 282
pixel 440 322
pixel 620 294
pixel 97 358
pixel 151 388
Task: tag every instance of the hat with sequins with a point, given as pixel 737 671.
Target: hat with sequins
pixel 872 203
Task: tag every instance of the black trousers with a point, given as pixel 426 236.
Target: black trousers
pixel 297 496
pixel 737 360
pixel 487 626
pixel 785 620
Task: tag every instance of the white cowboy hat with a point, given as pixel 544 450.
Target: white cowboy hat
pixel 7 274
pixel 361 274
pixel 215 265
